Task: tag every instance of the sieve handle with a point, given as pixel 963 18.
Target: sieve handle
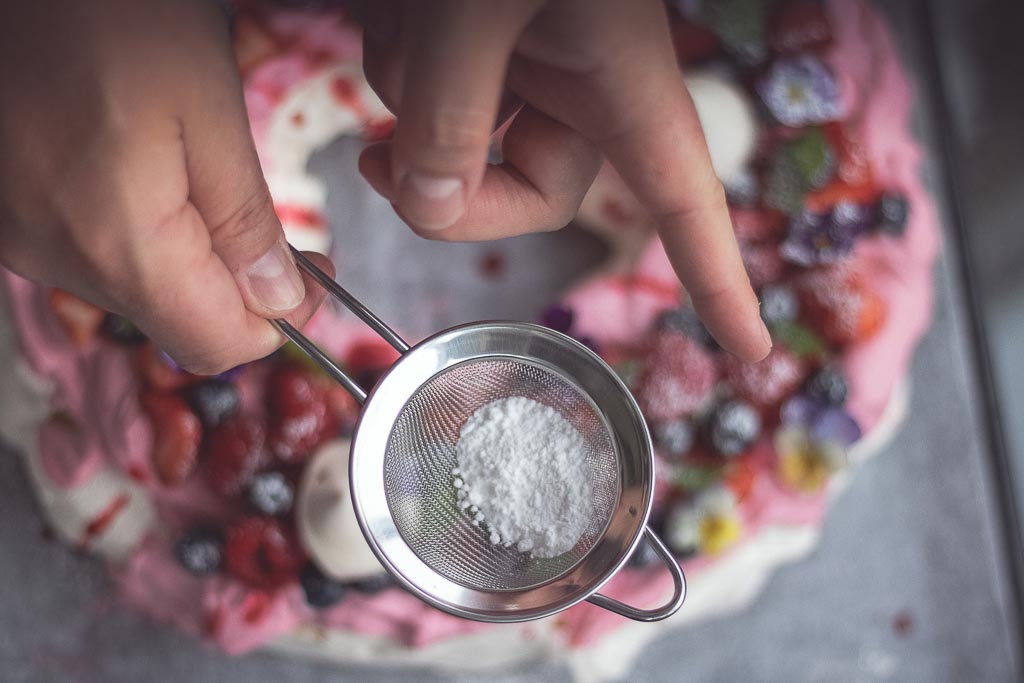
pixel 658 613
pixel 351 303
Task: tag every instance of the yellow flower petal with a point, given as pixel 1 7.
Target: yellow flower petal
pixel 718 533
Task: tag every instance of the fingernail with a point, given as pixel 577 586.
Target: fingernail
pixel 432 202
pixel 766 336
pixel 275 281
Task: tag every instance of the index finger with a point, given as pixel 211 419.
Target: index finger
pixel 651 134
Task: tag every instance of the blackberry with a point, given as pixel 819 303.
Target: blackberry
pixel 122 330
pixel 779 304
pixel 733 427
pixel 828 386
pixel 892 210
pixel 213 401
pixel 673 439
pixel 372 584
pixel 320 591
pixel 201 550
pixel 271 494
pixel 557 317
pixel 686 321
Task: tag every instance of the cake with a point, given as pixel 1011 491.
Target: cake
pixel 221 504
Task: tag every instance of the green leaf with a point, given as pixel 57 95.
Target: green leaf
pixel 800 340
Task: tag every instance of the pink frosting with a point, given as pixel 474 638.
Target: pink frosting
pixel 96 388
pixel 67 455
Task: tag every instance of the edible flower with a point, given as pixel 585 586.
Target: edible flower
pixel 800 91
pixel 821 238
pixel 708 524
pixel 812 442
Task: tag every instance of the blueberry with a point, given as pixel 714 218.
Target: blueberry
pixel 200 550
pixel 743 189
pixel 779 304
pixel 271 494
pixel 213 401
pixel 122 330
pixel 373 584
pixel 321 591
pixel 733 427
pixel 686 321
pixel 828 386
pixel 644 556
pixel 893 210
pixel 558 318
pixel 673 439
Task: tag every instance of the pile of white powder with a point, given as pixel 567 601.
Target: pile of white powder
pixel 522 472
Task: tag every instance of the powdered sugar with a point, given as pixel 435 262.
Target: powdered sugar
pixel 523 474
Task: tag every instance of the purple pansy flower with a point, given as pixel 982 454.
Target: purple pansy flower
pixel 820 238
pixel 812 442
pixel 800 91
pixel 557 317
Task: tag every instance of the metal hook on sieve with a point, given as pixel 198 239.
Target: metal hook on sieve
pixel 351 303
pixel 658 613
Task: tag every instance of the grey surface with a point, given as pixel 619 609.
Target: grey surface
pixel 981 74
pixel 907 583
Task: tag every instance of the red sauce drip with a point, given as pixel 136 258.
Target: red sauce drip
pixel 105 518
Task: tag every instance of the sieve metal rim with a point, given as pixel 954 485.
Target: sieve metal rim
pixel 668 608
pixel 522 342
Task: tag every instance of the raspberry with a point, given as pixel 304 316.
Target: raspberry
pixel 234 452
pixel 271 494
pixel 213 400
pixel 262 553
pixel 200 550
pixel 733 427
pixel 763 263
pixel 798 26
pixel 768 382
pixel 321 591
pixel 177 434
pixel 678 378
pixel 305 411
pixel 828 386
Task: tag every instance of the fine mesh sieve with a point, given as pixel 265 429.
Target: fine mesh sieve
pixel 404 451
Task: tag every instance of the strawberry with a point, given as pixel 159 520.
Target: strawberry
pixel 177 434
pixel 839 303
pixel 678 378
pixel 693 43
pixel 768 382
pixel 159 371
pixel 853 180
pixel 306 410
pixel 234 452
pixel 758 225
pixel 367 361
pixel 80 319
pixel 263 553
pixel 798 26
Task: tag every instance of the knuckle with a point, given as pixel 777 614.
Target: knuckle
pixel 455 129
pixel 241 225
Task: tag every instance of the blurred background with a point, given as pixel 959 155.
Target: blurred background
pixel 919 573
